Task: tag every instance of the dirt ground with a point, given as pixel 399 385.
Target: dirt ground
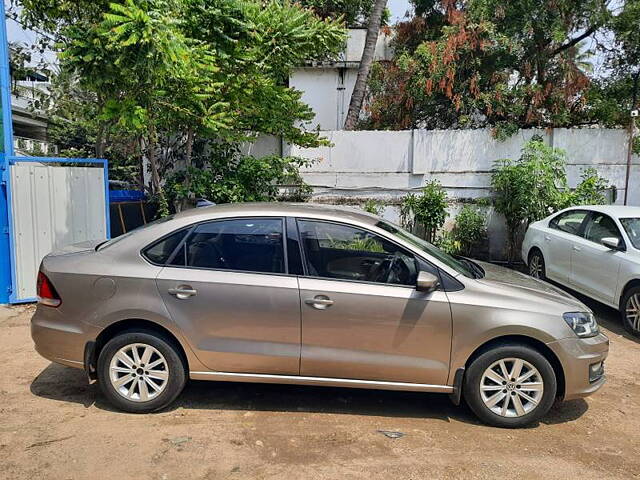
pixel 54 425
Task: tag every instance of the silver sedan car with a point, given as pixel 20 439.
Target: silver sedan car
pixel 309 295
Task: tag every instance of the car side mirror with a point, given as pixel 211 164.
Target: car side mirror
pixel 611 242
pixel 427 282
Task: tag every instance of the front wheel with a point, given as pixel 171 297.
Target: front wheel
pixel 510 386
pixel 140 372
pixel 630 311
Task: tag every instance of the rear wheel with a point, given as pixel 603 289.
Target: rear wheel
pixel 536 265
pixel 630 311
pixel 140 372
pixel 510 386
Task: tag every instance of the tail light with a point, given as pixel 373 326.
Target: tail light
pixel 47 294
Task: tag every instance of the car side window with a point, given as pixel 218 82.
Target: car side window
pixel 246 244
pixel 339 251
pixel 569 222
pixel 160 252
pixel 601 226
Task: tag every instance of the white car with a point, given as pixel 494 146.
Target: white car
pixel 594 250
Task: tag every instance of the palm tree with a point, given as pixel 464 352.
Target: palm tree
pixel 373 28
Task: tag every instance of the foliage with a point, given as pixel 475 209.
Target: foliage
pixel 355 13
pixel 373 206
pixel 223 175
pixel 488 63
pixel 165 75
pixel 528 189
pixel 446 242
pixel 469 230
pixel 590 191
pixel 427 210
pixel 534 186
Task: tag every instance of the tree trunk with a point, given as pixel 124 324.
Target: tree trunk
pixel 357 97
pixel 100 141
pixel 186 202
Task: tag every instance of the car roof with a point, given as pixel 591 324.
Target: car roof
pixel 336 212
pixel 619 211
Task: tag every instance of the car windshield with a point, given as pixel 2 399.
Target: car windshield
pixel 460 265
pixel 115 240
pixel 632 227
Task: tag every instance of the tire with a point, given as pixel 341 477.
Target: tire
pixel 630 311
pixel 537 267
pixel 118 380
pixel 513 415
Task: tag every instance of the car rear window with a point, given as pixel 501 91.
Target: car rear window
pixel 160 252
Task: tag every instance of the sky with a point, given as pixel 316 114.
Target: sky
pixel 397 8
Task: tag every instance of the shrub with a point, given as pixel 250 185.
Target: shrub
pixel 230 177
pixel 373 206
pixel 469 230
pixel 447 243
pixel 529 189
pixel 427 210
pixel 590 191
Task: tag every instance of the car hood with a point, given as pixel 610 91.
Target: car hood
pixel 521 284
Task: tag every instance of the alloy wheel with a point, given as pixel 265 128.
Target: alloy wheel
pixel 535 266
pixel 138 372
pixel 632 312
pixel 511 387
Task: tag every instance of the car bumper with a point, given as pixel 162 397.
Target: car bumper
pixel 578 356
pixel 59 340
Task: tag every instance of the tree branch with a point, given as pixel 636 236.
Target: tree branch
pixel 588 32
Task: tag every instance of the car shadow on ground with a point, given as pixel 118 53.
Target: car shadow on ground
pixel 65 384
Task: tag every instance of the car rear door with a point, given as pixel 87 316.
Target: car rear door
pixel 558 241
pixel 227 286
pixel 594 267
pixel 362 317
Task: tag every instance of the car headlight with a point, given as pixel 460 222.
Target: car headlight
pixel 583 323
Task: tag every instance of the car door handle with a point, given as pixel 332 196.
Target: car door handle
pixel 576 249
pixel 547 238
pixel 321 302
pixel 183 292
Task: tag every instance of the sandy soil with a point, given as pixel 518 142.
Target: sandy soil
pixel 54 425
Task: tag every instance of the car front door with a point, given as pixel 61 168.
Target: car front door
pixel 594 267
pixel 558 243
pixel 362 317
pixel 226 286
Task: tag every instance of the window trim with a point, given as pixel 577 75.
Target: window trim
pixel 416 257
pixel 567 212
pixel 161 239
pixel 193 226
pixel 593 213
pixel 290 223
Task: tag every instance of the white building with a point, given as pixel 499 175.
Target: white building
pixel 327 86
pixel 30 123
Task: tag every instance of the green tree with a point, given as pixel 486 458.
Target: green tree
pixel 171 72
pixel 354 12
pixel 487 62
pixel 425 211
pixel 469 229
pixel 534 186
